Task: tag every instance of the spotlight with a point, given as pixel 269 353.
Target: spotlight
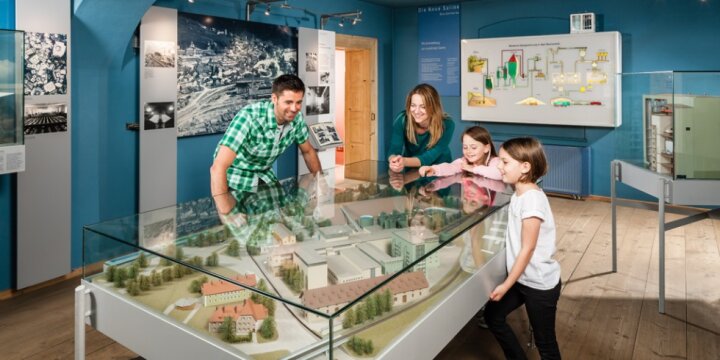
pixel 191 1
pixel 342 23
pixel 267 11
pixel 356 20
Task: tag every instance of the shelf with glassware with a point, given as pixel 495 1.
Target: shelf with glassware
pixel 680 135
pixel 303 266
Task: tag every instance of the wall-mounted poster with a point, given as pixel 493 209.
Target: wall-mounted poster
pixel 311 62
pixel 553 79
pixel 45 64
pixel 159 54
pixel 318 100
pixel 225 64
pixel 45 118
pixel 160 115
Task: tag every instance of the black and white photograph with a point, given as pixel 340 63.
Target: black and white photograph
pixel 311 61
pixel 160 115
pixel 159 233
pixel 325 134
pixel 45 118
pixel 160 54
pixel 317 100
pixel 45 64
pixel 225 64
pixel 325 77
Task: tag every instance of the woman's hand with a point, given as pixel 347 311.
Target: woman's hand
pixel 499 292
pixel 397 181
pixel 397 163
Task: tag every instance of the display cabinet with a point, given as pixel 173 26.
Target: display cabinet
pixel 11 87
pixel 677 115
pixel 373 265
pixel 666 149
pixel 12 148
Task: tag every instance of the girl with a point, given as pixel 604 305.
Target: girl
pixel 479 157
pixel 422 132
pixel 533 275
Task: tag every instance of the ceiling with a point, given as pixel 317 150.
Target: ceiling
pixel 408 3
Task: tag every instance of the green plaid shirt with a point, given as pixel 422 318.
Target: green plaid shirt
pixel 252 135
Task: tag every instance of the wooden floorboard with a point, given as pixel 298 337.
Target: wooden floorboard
pixel 601 315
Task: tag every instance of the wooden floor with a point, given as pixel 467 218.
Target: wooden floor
pixel 601 315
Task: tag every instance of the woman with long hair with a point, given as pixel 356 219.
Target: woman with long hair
pixel 422 132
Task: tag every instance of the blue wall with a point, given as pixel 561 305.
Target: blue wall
pixel 7 187
pixel 656 35
pixel 105 93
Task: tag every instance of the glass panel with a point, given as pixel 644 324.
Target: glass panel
pixel 372 323
pixel 11 87
pixel 670 121
pixel 297 240
pixel 696 109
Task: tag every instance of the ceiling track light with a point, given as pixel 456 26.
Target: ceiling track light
pixel 353 17
pixel 191 1
pixel 252 4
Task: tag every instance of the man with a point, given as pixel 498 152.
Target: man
pixel 258 134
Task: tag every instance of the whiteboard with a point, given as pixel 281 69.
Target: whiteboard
pixel 566 79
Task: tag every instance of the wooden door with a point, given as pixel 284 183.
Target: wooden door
pixel 357 105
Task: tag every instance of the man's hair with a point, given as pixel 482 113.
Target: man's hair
pixel 528 149
pixel 287 82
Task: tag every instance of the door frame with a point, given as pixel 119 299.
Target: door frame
pixel 350 42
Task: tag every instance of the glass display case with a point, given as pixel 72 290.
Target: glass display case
pixel 366 266
pixel 11 87
pixel 671 121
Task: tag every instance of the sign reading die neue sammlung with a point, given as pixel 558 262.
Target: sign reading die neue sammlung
pixel 439 47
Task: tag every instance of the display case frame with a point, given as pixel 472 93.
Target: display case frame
pixel 12 139
pixel 113 311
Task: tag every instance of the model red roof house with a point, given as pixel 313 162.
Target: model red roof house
pixel 222 292
pixel 245 316
pixel 331 298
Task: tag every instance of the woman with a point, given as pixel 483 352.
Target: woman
pixel 421 134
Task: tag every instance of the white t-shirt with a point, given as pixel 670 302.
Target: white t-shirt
pixel 543 272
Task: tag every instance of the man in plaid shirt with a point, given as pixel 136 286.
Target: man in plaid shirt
pixel 258 134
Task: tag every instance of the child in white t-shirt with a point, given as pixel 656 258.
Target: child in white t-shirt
pixel 533 275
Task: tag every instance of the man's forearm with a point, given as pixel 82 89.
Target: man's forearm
pixel 218 181
pixel 312 161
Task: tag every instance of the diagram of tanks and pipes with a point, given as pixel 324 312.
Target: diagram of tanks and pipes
pixel 560 77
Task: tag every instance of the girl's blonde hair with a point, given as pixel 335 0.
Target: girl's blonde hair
pixel 480 134
pixel 434 109
pixel 528 149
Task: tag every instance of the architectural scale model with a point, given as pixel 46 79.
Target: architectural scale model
pixel 318 265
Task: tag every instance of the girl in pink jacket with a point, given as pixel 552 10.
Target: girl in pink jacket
pixel 479 157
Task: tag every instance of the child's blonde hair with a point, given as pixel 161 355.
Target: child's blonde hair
pixel 480 134
pixel 529 150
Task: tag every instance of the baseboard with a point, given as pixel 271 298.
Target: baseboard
pixel 9 294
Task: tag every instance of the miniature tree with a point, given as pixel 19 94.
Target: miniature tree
pixel 349 319
pixel 227 330
pixel 142 260
pixel 370 307
pixel 268 328
pixel 233 248
pixel 178 271
pixel 144 283
pixel 110 273
pixel 270 305
pixel 133 270
pixel 156 278
pixel 167 274
pixel 132 287
pixel 120 277
pixel 360 315
pixel 201 240
pixel 369 347
pixel 387 300
pixel 197 261
pixel 212 260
